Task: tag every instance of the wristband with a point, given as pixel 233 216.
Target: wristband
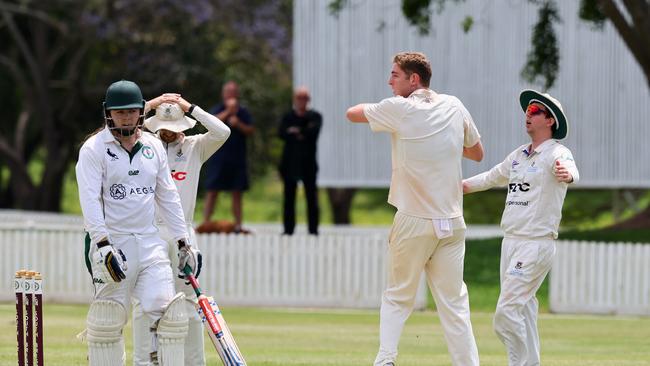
pixel 189 111
pixel 103 243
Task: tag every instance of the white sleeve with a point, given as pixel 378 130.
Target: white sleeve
pixel 90 171
pixel 472 137
pixel 495 177
pixel 385 115
pixel 212 140
pixel 168 200
pixel 564 156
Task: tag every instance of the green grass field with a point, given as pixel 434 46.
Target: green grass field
pixel 350 337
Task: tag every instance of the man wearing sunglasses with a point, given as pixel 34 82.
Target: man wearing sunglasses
pixel 537 175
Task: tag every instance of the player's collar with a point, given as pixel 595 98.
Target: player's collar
pixel 540 148
pixel 424 94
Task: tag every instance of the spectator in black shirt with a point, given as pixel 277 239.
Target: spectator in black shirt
pixel 299 130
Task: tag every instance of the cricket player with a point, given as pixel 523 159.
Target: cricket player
pixel 430 133
pixel 537 175
pixel 123 177
pixel 186 155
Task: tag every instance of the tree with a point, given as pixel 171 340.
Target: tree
pixel 57 58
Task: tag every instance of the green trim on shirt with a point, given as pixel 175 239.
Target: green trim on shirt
pixel 138 145
pixel 87 253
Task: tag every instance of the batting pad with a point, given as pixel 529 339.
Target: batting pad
pixel 171 331
pixel 104 324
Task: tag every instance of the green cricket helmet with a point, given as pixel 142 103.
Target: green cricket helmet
pixel 123 94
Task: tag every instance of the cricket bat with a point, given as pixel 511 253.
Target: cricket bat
pixel 215 325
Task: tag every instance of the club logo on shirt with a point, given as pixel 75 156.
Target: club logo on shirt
pixel 180 156
pixel 117 191
pixel 514 163
pixel 179 175
pixel 134 172
pixel 518 265
pixel 518 187
pixel 147 152
pixel 111 154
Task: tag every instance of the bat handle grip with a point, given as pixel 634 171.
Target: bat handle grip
pixel 190 277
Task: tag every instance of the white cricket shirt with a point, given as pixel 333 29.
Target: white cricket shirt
pixel 428 133
pixel 533 206
pixel 119 191
pixel 187 154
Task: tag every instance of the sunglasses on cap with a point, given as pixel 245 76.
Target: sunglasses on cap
pixel 534 110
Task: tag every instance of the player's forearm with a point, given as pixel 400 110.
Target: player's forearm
pixel 573 170
pixel 216 128
pixel 172 214
pixel 474 153
pixel 356 114
pixel 94 222
pixel 89 181
pixel 480 182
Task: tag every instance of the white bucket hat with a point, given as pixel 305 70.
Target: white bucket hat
pixel 169 117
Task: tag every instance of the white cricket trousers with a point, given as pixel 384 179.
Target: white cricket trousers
pixel 148 275
pixel 524 265
pixel 142 336
pixel 412 248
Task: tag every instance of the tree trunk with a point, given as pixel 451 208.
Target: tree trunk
pixel 340 202
pixel 633 29
pixel 51 188
pixel 25 194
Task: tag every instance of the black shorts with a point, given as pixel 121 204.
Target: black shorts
pixel 227 177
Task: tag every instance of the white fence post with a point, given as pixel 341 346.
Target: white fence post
pixel 600 278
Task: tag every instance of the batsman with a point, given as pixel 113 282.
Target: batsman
pixel 186 155
pixel 123 178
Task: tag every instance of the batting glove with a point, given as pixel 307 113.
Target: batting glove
pixel 109 264
pixel 189 256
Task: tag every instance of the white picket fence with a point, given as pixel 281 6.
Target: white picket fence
pixel 342 267
pixel 600 278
